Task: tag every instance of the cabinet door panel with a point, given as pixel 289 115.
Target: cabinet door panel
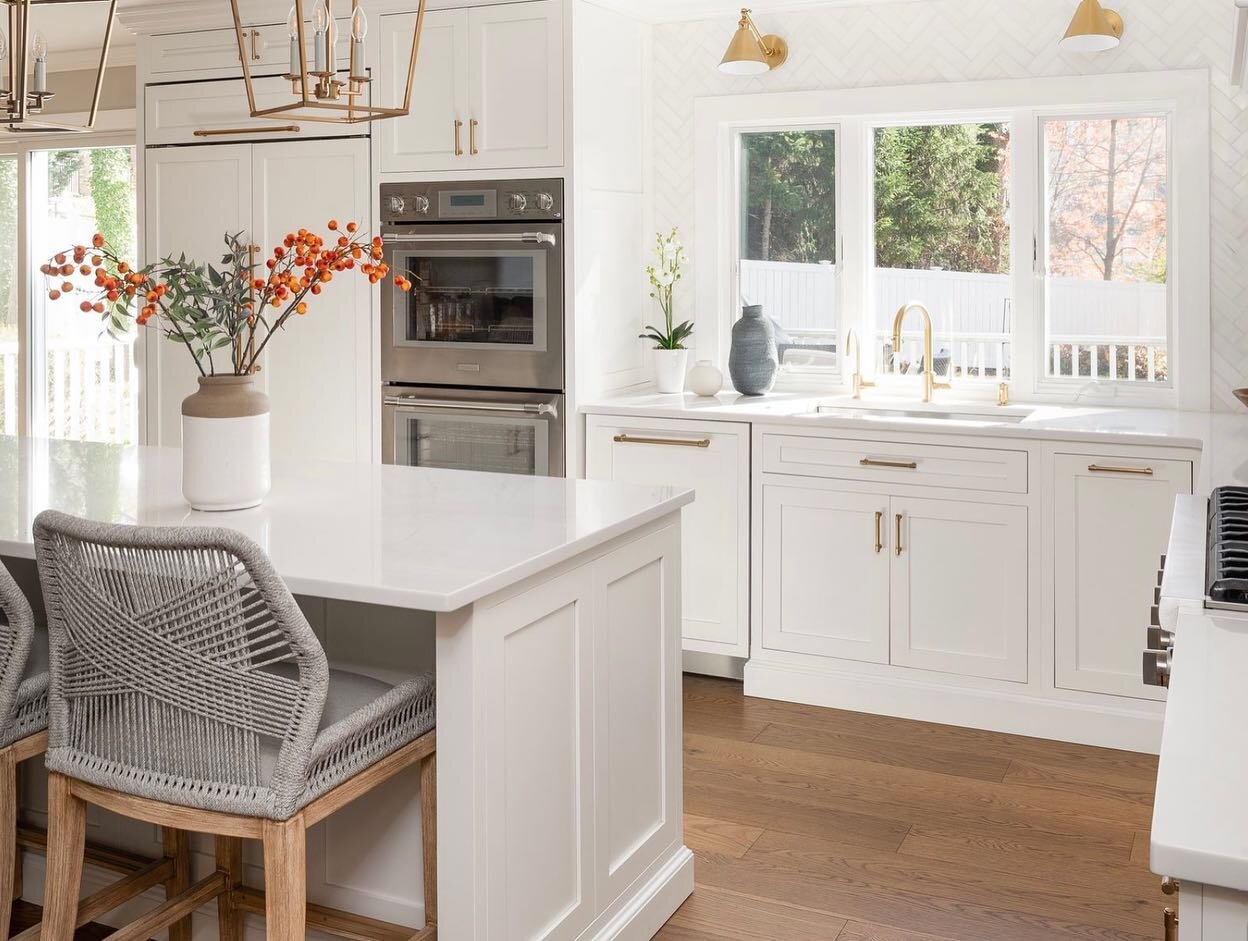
pixel 825 584
pixel 194 196
pixel 1109 532
pixel 959 588
pixel 517 84
pixel 317 371
pixel 715 526
pixel 425 139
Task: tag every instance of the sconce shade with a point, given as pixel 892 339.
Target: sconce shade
pixel 1093 29
pixel 750 53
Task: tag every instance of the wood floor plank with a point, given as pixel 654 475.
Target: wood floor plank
pixel 733 916
pixel 859 931
pixel 1134 794
pixel 708 836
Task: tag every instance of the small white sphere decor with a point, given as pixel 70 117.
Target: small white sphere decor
pixel 705 378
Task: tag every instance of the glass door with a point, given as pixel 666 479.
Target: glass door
pixel 478 443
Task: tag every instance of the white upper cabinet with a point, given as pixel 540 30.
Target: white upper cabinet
pixel 489 91
pixel 712 458
pixel 959 587
pixel 1111 524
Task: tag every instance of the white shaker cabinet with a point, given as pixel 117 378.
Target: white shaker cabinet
pixel 498 72
pixel 1111 518
pixel 967 616
pixel 713 459
pixel 825 572
pixel 317 372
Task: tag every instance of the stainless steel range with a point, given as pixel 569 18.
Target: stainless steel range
pixel 473 357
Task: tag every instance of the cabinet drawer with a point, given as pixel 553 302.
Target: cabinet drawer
pixel 182 113
pixel 207 53
pixel 894 463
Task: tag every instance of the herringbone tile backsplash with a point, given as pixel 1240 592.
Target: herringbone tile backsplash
pixel 968 40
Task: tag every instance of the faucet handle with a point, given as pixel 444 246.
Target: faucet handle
pixel 1003 394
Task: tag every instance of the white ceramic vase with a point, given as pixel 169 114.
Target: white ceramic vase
pixel 225 444
pixel 705 379
pixel 670 367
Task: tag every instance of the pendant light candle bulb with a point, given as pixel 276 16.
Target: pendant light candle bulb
pixel 320 20
pixel 292 26
pixel 40 50
pixel 359 24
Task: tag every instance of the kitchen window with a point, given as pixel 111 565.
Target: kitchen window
pixel 1057 230
pixel 62 375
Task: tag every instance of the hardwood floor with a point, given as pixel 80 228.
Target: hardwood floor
pixel 818 825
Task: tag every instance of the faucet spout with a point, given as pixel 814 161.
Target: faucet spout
pixel 929 376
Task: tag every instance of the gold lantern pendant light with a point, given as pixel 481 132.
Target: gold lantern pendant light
pixel 24 90
pixel 320 89
pixel 1093 29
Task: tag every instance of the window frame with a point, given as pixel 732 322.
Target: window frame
pixel 113 129
pixel 1183 96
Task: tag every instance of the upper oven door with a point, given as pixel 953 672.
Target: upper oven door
pixel 485 309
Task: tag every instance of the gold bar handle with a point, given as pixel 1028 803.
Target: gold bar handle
pixel 1170 886
pixel 1103 469
pixel 1170 919
pixel 671 442
pixel 472 136
pixel 255 52
pixel 903 465
pixel 897 532
pixel 258 129
pixel 459 147
pixel 879 532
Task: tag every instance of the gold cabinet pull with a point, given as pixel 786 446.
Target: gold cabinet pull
pixel 903 465
pixel 472 136
pixel 879 532
pixel 670 442
pixel 1170 919
pixel 255 52
pixel 1170 886
pixel 897 532
pixel 459 147
pixel 1105 469
pixel 258 129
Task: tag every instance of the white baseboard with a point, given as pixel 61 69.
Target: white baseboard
pixel 649 908
pixel 713 664
pixel 1106 726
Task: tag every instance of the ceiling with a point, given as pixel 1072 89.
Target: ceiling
pixel 74 31
pixel 673 10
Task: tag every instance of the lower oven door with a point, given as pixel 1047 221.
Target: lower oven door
pixel 499 432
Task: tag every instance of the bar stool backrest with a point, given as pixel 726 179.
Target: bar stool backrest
pixel 17 630
pixel 182 668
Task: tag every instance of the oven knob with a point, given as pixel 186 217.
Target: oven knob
pixel 1157 667
pixel 518 202
pixel 420 204
pixel 396 205
pixel 545 202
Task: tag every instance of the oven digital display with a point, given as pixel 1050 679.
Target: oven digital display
pixel 467 200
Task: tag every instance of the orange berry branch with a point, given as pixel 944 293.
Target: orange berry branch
pixel 239 306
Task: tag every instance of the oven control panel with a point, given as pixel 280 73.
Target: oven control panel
pixel 487 200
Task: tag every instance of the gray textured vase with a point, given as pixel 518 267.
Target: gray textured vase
pixel 752 362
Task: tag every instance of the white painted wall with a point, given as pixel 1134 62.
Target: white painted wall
pixel 966 40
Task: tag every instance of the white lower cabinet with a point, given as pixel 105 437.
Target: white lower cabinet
pixel 959 587
pixel 933 584
pixel 1111 519
pixel 825 568
pixel 713 459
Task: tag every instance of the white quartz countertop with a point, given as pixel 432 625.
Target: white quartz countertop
pixel 1222 437
pixel 415 538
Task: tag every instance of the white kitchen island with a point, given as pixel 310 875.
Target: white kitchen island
pixel 551 612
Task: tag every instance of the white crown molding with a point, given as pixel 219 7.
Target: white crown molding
pixel 79 60
pixel 675 11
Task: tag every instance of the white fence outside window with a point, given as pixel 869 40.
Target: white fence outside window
pixel 91 390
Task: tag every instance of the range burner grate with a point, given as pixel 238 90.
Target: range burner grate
pixel 1226 568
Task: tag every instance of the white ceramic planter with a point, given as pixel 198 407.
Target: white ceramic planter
pixel 670 367
pixel 225 445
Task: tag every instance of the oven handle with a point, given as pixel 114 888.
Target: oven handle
pixel 532 238
pixel 526 408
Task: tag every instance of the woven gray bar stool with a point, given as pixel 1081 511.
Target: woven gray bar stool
pixel 189 691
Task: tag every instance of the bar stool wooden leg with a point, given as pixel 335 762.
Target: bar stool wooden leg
pixel 429 834
pixel 285 879
pixel 177 845
pixel 67 837
pixel 230 862
pixel 8 836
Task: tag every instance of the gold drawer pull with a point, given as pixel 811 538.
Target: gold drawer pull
pixel 897 532
pixel 472 136
pixel 258 129
pixel 1170 919
pixel 903 465
pixel 1103 469
pixel 1170 886
pixel 459 147
pixel 671 442
pixel 879 532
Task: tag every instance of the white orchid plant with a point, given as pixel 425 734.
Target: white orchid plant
pixel 671 257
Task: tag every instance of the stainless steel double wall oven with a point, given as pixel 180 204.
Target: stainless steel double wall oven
pixel 473 357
